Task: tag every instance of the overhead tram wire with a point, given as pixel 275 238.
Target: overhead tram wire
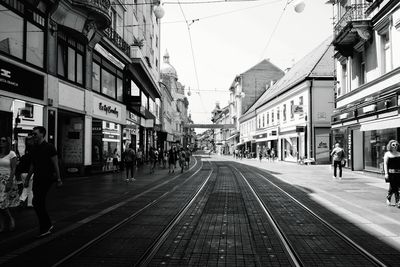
pixel 275 28
pixel 193 57
pixel 211 16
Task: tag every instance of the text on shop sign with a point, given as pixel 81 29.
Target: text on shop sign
pixel 108 109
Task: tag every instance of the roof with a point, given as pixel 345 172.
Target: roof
pixel 316 64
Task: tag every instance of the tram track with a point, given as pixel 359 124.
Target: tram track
pixel 126 221
pixel 294 249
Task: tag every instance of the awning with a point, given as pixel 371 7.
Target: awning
pixel 387 123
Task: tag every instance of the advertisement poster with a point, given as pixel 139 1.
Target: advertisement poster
pixel 322 147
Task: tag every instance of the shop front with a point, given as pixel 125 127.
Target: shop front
pixel 71 129
pixel 21 102
pixel 289 147
pixel 377 135
pixel 108 119
pixel 131 131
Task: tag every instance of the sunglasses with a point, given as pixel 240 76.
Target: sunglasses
pixel 394 145
pixel 3 140
pixel 34 134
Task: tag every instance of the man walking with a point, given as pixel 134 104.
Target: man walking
pixel 337 157
pixel 44 165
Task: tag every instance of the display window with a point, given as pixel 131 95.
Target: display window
pixel 375 147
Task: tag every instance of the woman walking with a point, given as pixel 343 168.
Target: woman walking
pixel 22 170
pixel 9 196
pixel 391 165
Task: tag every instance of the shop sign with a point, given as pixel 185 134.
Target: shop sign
pixel 108 109
pixel 260 136
pixel 110 136
pixel 133 117
pixel 105 108
pixel 21 81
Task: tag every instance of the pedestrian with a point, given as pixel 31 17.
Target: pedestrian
pixel 44 166
pixel 115 160
pixel 139 157
pixel 272 155
pixel 391 165
pixel 129 161
pixel 9 196
pixel 260 155
pixel 176 154
pixel 171 160
pixel 22 170
pixel 165 159
pixel 153 159
pixel 182 160
pixel 337 157
pixel 187 157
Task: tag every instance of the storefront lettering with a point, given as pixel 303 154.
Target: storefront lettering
pixel 108 109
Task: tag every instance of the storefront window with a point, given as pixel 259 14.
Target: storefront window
pixel 107 83
pixel 35 45
pixel 96 77
pixel 375 147
pixel 106 78
pixel 135 91
pixel 18 31
pixel 290 148
pixel 119 90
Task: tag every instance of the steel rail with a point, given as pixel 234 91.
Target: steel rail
pixel 343 236
pixel 126 220
pixel 284 240
pixel 152 250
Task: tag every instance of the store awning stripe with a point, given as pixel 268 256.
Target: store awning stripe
pixel 381 124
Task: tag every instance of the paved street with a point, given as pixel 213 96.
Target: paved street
pixel 213 214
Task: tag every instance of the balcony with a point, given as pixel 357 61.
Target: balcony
pixel 117 40
pixel 101 9
pixel 352 29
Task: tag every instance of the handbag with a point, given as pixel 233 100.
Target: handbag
pixel 343 162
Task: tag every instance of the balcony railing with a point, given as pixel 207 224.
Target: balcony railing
pixel 99 5
pixel 117 40
pixel 356 12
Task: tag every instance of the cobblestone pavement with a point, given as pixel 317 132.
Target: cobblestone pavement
pixel 103 221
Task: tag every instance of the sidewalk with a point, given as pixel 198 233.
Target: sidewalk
pixel 358 197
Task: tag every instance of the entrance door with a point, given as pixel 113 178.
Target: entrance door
pixel 6 124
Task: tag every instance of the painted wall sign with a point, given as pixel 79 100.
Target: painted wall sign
pixel 21 81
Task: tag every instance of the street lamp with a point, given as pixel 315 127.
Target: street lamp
pixel 298 5
pixel 159 11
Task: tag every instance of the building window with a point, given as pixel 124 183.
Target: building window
pixel 277 114
pixel 284 112
pixel 70 55
pixel 144 101
pixel 107 79
pixel 291 109
pixel 386 53
pixel 135 91
pixel 259 121
pixel 22 27
pixel 263 120
pixel 272 117
pixel 343 82
pixel 267 118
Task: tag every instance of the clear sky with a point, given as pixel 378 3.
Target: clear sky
pixel 229 38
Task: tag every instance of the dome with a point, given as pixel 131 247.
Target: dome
pixel 167 68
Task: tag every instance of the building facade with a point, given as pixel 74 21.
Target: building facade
pixel 367 46
pixel 176 109
pixel 245 89
pixel 77 69
pixel 292 117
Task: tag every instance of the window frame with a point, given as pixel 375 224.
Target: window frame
pixel 67 43
pixel 28 13
pixel 113 70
